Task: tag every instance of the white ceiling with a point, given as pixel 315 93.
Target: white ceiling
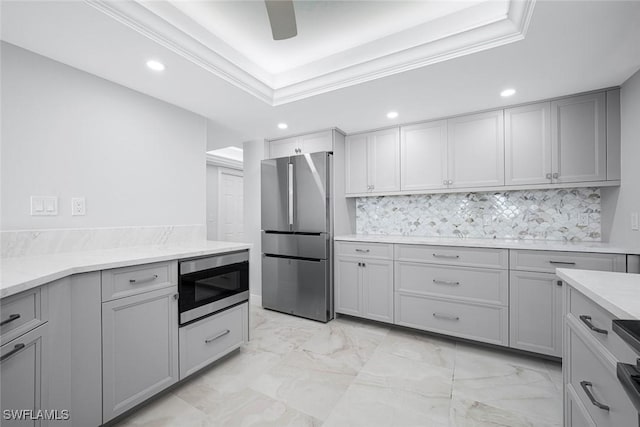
pixel 568 47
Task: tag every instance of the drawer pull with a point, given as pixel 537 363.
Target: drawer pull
pixel 215 337
pixel 562 262
pixel 446 256
pixel 146 279
pixel 366 251
pixel 16 349
pixel 445 282
pixel 585 386
pixel 445 316
pixel 587 321
pixel 10 319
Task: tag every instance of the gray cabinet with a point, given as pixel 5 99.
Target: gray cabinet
pixel 140 348
pixel 423 156
pixel 372 162
pixel 364 284
pixel 535 317
pixel 22 369
pixel 309 143
pixel 527 144
pixel 578 137
pixel 476 150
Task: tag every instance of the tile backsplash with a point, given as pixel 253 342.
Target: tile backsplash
pixel 553 214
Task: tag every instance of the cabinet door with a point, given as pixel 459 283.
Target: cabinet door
pixel 22 376
pixel 139 350
pixel 528 144
pixel 283 148
pixel 347 286
pixel 316 142
pixel 356 164
pixel 423 156
pixel 578 137
pixel 377 290
pixel 535 312
pixel 476 150
pixel 383 153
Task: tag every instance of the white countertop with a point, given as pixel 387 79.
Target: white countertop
pixel 618 293
pixel 542 245
pixel 22 273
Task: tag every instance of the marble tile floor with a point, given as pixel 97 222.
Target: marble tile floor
pixel 296 372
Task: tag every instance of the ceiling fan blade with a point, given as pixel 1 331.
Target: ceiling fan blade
pixel 282 18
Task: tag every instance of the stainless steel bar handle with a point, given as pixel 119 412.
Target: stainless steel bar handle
pixel 144 280
pixel 446 256
pixel 585 386
pixel 16 349
pixel 366 251
pixel 446 316
pixel 562 262
pixel 587 321
pixel 290 193
pixel 445 282
pixel 215 337
pixel 10 319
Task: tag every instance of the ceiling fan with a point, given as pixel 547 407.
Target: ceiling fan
pixel 282 18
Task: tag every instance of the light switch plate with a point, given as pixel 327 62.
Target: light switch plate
pixel 44 205
pixel 78 206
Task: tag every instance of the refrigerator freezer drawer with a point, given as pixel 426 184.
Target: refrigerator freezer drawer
pixel 298 287
pixel 296 245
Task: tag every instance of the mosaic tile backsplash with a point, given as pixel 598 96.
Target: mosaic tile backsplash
pixel 557 214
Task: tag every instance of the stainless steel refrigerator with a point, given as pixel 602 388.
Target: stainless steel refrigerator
pixel 297 234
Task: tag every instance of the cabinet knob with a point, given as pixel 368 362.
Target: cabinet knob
pixel 548 176
pixel 556 175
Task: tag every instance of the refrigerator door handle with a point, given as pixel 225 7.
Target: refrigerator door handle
pixel 290 183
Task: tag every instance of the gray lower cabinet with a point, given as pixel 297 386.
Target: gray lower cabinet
pixel 207 340
pixel 140 348
pixel 23 386
pixel 535 315
pixel 364 288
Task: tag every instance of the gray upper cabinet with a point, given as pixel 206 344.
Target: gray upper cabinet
pixel 23 384
pixel 423 156
pixel 139 350
pixel 527 134
pixel 476 150
pixel 302 144
pixel 578 138
pixel 373 162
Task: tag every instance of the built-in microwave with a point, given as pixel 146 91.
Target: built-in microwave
pixel 210 284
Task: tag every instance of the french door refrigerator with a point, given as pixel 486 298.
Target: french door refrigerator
pixel 297 234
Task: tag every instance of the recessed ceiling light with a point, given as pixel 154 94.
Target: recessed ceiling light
pixel 507 92
pixel 392 114
pixel 155 65
pixel 282 126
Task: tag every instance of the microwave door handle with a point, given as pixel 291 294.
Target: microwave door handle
pixel 290 193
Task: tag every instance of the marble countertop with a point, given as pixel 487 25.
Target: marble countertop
pixel 542 245
pixel 19 274
pixel 618 293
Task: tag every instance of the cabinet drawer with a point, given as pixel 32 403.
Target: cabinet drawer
pixel 593 378
pixel 597 322
pixel 22 312
pixel 472 284
pixel 577 415
pixel 365 250
pixel 476 322
pixel 548 261
pixel 449 255
pixel 127 281
pixel 208 340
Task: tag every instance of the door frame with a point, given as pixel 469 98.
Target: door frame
pixel 223 171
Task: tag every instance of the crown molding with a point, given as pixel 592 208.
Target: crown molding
pixel 224 162
pixel 154 23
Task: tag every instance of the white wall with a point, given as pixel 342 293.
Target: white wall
pixel 618 203
pixel 212 202
pixel 67 133
pixel 254 153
